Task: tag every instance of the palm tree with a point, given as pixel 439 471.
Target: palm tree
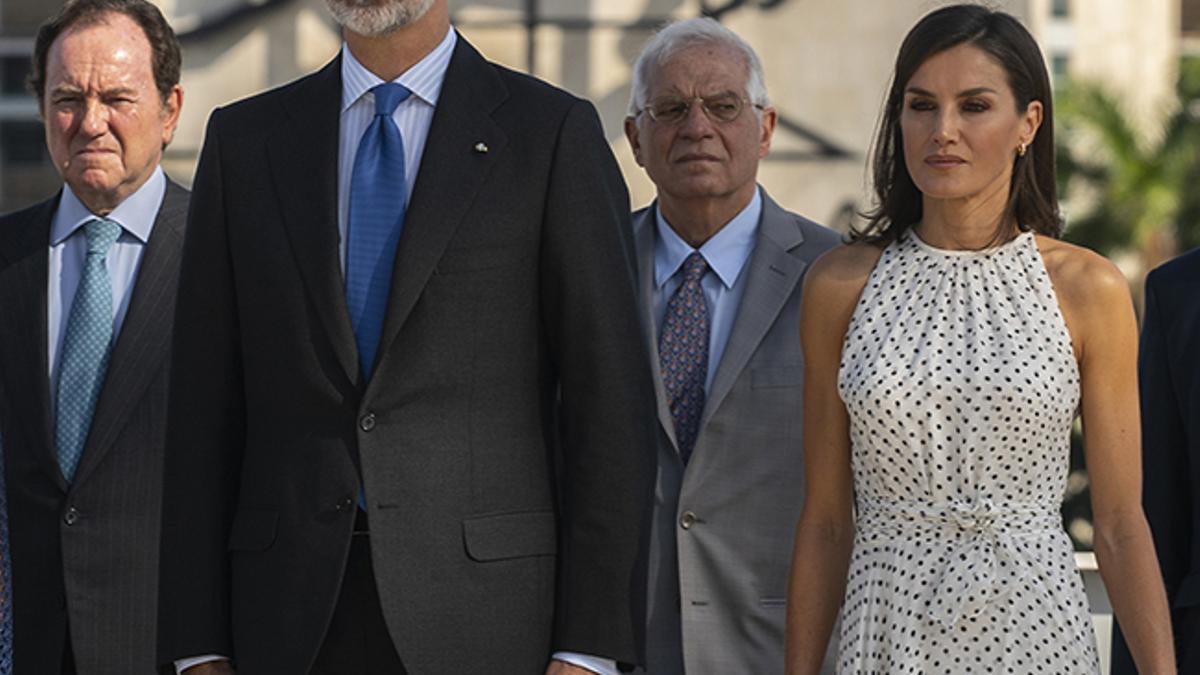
pixel 1133 189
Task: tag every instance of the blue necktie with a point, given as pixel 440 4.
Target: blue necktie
pixel 85 348
pixel 683 353
pixel 378 193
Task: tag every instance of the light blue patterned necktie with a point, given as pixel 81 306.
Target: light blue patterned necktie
pixel 378 196
pixel 85 348
pixel 683 353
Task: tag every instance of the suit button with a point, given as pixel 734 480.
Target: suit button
pixel 344 505
pixel 71 517
pixel 687 520
pixel 367 422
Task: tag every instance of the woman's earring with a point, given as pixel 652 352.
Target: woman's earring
pixel 1021 150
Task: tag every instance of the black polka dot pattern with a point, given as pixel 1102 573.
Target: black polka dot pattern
pixel 961 386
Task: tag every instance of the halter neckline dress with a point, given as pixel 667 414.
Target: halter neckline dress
pixel 961 386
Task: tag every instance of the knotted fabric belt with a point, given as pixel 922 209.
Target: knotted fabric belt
pixel 988 542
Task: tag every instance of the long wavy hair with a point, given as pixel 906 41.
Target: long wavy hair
pixel 1033 196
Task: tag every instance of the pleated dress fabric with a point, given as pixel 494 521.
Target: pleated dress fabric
pixel 961 386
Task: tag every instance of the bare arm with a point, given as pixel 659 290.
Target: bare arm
pixel 825 533
pixel 1097 305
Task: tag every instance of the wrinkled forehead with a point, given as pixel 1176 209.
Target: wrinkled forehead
pixel 699 69
pixel 109 47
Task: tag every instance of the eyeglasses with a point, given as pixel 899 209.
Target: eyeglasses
pixel 724 107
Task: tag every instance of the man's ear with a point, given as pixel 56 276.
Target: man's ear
pixel 769 119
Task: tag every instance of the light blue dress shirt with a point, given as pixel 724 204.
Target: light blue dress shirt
pixel 68 250
pixel 726 253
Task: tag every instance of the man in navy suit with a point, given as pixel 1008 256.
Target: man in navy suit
pixel 1169 376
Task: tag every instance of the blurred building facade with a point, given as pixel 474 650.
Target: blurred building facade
pixel 827 64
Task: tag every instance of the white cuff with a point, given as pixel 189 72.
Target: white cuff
pixel 596 664
pixel 183 664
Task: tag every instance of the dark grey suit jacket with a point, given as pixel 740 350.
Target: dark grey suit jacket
pixel 86 554
pixel 502 437
pixel 723 526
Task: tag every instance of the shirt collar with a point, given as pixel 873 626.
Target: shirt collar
pixel 726 252
pixel 424 79
pixel 136 214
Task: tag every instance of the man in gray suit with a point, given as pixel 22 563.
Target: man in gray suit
pixel 87 294
pixel 720 267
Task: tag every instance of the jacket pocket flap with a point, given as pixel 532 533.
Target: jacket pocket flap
pixel 252 530
pixel 777 376
pixel 510 535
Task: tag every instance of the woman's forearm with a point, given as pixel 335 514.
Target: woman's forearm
pixel 1129 567
pixel 820 560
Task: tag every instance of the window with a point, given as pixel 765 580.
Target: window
pixel 1059 66
pixel 22 142
pixel 13 70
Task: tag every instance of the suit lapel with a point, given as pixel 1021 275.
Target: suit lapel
pixel 303 157
pixel 772 274
pixel 25 268
pixel 644 236
pixel 145 338
pixel 448 179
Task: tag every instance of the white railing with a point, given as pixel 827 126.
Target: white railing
pixel 1102 614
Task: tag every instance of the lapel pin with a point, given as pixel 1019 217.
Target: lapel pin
pixel 481 148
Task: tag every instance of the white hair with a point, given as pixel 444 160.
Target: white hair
pixel 677 36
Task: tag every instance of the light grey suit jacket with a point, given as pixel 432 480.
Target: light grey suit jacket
pixel 722 530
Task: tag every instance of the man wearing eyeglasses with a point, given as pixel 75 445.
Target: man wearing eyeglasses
pixel 720 267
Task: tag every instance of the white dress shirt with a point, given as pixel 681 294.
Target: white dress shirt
pixel 413 117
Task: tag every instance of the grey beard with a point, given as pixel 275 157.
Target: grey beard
pixel 368 20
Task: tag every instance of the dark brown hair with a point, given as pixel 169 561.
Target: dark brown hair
pixel 164 46
pixel 1033 196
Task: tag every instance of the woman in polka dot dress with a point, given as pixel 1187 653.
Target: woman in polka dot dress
pixel 947 351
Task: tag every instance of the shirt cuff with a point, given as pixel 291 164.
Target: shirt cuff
pixel 183 664
pixel 596 664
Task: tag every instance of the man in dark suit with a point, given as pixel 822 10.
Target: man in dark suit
pixel 87 292
pixel 1169 382
pixel 730 466
pixel 409 431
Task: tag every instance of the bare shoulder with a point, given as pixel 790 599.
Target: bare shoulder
pixel 836 280
pixel 844 267
pixel 1085 281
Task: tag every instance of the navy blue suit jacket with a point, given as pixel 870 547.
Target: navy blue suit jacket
pixel 1169 377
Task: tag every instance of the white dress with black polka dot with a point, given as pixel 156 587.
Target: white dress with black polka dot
pixel 961 386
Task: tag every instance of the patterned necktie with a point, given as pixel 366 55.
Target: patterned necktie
pixel 378 193
pixel 683 353
pixel 85 348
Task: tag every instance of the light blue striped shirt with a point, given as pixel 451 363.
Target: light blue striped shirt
pixel 413 117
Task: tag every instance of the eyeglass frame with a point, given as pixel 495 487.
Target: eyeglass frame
pixel 689 102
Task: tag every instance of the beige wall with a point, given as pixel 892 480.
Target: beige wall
pixel 827 64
